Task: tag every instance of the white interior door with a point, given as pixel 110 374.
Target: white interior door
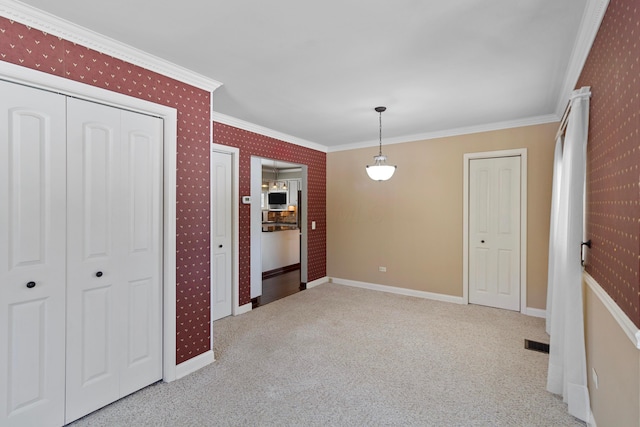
pixel 221 235
pixel 114 255
pixel 32 254
pixel 494 232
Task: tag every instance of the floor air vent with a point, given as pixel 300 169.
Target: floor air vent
pixel 536 346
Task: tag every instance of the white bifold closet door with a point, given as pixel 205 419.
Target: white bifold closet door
pixel 114 315
pixel 80 255
pixel 32 256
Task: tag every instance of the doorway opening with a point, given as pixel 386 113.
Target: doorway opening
pixel 278 255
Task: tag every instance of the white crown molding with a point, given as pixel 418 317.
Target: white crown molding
pixel 629 328
pixel 531 121
pixel 241 124
pixel 591 19
pixel 59 27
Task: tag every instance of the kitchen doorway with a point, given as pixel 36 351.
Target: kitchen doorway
pixel 278 229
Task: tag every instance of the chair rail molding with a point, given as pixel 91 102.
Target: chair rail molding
pixel 629 328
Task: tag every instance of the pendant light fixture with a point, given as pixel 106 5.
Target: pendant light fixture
pixel 275 176
pixel 380 170
pixel 277 184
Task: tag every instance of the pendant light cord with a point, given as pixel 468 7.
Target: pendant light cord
pixel 380 115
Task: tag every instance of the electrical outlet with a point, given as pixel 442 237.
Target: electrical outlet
pixel 382 269
pixel 594 375
pixel 313 225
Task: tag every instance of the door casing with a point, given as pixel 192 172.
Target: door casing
pixel 235 215
pixel 522 152
pixel 221 235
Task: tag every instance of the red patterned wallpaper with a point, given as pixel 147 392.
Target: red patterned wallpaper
pixel 253 144
pixel 613 155
pixel 35 49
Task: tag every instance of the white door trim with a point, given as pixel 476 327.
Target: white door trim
pixel 41 80
pixel 522 152
pixel 235 227
pixel 255 219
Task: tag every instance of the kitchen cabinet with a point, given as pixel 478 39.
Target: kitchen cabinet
pixel 280 249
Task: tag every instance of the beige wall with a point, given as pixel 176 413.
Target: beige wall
pixel 616 401
pixel 412 224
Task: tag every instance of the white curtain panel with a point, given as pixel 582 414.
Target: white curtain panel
pixel 553 226
pixel 567 374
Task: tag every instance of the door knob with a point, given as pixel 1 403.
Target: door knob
pixel 481 241
pixel 219 246
pixel 31 285
pixel 99 274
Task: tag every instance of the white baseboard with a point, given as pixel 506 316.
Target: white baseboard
pixel 399 291
pixel 192 365
pixel 243 309
pixel 629 328
pixel 535 312
pixel 317 282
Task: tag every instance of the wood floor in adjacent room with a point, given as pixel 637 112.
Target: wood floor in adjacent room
pixel 277 287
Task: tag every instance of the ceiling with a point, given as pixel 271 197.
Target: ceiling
pixel 316 70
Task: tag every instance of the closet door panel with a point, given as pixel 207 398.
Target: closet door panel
pixel 114 261
pixel 94 241
pixel 98 145
pixel 32 251
pixel 141 187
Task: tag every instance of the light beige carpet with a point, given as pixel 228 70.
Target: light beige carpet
pixel 341 356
